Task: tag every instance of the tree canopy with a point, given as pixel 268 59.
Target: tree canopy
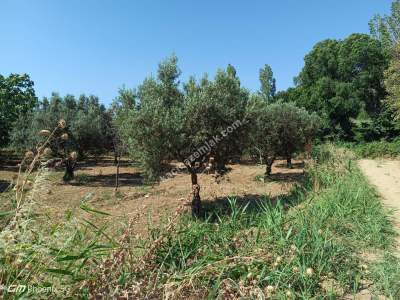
pixel 86 119
pixel 342 80
pixel 279 129
pixel 188 123
pixel 387 28
pixel 17 97
pixel 268 83
pixel 392 81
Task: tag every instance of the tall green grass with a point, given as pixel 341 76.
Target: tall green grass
pixel 43 258
pixel 375 149
pixel 386 275
pixel 303 245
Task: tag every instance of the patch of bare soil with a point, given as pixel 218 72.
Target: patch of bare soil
pixel 385 176
pixel 95 185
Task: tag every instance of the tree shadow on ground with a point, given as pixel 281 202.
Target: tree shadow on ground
pixel 287 177
pixel 250 162
pixel 9 168
pixel 295 165
pixel 9 164
pixel 125 179
pixel 4 185
pixel 9 161
pixel 297 176
pixel 102 162
pixel 254 203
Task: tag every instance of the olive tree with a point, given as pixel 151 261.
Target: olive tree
pixel 190 125
pixel 143 118
pixel 280 129
pixel 213 107
pixel 263 135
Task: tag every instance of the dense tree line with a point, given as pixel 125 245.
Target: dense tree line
pixel 88 128
pixel 343 81
pixel 353 83
pixel 387 30
pixel 87 120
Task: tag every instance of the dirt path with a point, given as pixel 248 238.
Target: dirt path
pixel 385 175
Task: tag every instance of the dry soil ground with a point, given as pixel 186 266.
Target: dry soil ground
pixel 385 176
pixel 95 184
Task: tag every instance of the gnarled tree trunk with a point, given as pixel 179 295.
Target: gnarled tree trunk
pixel 69 170
pixel 196 201
pixel 220 163
pixel 308 148
pixel 117 175
pixel 269 161
pixel 289 161
pixel 115 158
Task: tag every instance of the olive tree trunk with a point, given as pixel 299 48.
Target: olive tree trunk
pixel 117 175
pixel 289 162
pixel 268 170
pixel 196 201
pixel 69 170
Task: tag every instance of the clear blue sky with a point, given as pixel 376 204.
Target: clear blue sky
pixel 96 46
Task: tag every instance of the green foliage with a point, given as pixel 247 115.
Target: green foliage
pixel 279 129
pixel 145 120
pixel 342 80
pixel 169 123
pixel 88 124
pixel 392 81
pixel 375 149
pixel 209 109
pixel 386 274
pixel 52 258
pixel 387 28
pixel 17 97
pixel 268 83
